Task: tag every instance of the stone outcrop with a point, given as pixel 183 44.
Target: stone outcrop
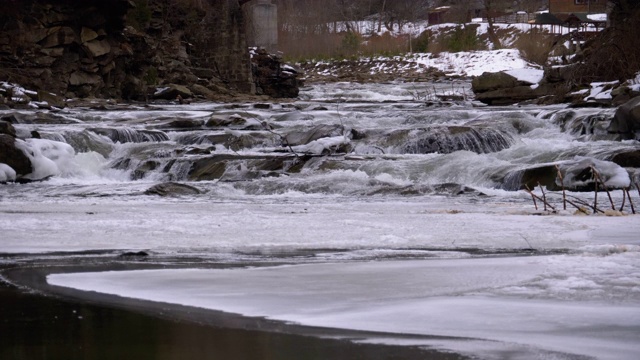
pixel 273 77
pixel 129 48
pixel 626 121
pixel 503 89
pixel 9 153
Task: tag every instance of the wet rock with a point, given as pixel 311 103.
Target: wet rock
pixel 448 139
pixel 127 135
pixel 626 121
pixel 7 129
pixel 13 156
pixel 629 159
pixel 172 91
pixel 172 189
pixel 51 99
pixel 295 138
pixel 545 175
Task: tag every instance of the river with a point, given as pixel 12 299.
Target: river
pixel 397 211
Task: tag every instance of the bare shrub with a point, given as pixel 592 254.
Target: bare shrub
pixel 614 54
pixel 535 46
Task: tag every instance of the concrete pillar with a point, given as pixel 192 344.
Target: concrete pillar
pixel 262 29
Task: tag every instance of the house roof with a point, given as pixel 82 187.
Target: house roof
pixel 548 19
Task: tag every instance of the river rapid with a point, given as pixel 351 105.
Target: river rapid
pixel 396 208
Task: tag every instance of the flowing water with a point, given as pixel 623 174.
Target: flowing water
pixel 348 173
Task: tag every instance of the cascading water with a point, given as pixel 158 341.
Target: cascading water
pixel 355 146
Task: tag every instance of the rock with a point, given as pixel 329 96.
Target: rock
pixel 274 78
pixel 7 129
pixel 83 78
pixel 627 159
pixel 493 81
pixel 295 138
pixel 172 189
pixel 51 99
pixel 59 36
pixel 545 175
pixel 14 157
pixel 626 121
pixel 171 92
pixel 97 47
pixel 87 34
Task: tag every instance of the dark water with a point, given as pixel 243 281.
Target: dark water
pixel 34 326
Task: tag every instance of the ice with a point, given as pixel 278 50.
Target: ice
pixel 7 173
pixel 459 298
pixel 47 157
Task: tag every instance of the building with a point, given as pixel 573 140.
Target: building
pixel 577 6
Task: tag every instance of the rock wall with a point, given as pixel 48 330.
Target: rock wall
pixel 125 48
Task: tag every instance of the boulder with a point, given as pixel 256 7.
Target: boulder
pixel 626 121
pixel 14 157
pixel 493 81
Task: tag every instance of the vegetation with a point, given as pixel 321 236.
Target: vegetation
pixel 615 54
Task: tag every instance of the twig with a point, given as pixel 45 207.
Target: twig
pixel 624 198
pixel 532 196
pixel 527 240
pixel 564 192
pixel 595 192
pixel 597 177
pixel 539 198
pixel 544 196
pixel 633 210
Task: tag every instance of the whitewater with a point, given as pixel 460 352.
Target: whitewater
pixel 364 228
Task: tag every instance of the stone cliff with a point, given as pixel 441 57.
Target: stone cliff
pixel 126 48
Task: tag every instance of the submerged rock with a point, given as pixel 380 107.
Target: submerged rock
pixel 172 189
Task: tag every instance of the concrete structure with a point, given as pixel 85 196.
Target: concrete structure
pixel 227 46
pixel 577 6
pixel 262 24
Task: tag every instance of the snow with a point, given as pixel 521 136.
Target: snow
pixel 597 17
pixel 528 75
pixel 7 173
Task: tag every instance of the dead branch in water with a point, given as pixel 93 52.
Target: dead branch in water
pixel 598 178
pixel 564 193
pixel 532 196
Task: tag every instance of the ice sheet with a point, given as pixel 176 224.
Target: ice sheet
pixel 475 298
pixel 287 222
